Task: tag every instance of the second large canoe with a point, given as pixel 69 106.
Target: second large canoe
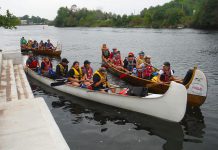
pixel 196 85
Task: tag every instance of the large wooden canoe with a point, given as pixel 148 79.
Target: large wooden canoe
pixel 48 52
pixel 196 86
pixel 171 106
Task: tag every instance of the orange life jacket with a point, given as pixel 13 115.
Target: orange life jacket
pixel 47 65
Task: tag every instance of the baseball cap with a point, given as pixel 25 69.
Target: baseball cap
pixel 130 54
pixel 87 62
pixel 166 63
pixel 65 60
pixel 141 53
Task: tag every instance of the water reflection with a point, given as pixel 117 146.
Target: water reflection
pixel 194 124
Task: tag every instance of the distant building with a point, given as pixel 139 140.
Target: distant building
pixel 23 22
pixel 30 22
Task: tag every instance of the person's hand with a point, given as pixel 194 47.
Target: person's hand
pixel 82 80
pixel 161 83
pixel 103 80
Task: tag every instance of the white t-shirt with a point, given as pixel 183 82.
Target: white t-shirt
pixel 162 72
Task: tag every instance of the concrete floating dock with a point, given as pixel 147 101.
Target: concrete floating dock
pixel 26 123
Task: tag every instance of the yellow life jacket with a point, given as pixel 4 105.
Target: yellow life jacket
pixel 140 61
pixel 102 78
pixel 155 79
pixel 62 69
pixel 78 74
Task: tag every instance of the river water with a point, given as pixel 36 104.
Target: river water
pixel 88 125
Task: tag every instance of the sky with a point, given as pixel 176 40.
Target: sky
pixel 48 8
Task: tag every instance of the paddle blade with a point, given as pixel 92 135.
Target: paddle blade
pixel 57 83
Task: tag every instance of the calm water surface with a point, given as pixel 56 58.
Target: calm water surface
pixel 88 125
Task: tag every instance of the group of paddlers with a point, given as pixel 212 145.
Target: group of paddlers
pixel 76 76
pixel 83 76
pixel 140 67
pixel 34 45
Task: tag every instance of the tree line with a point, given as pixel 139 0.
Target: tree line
pixel 177 13
pixel 34 20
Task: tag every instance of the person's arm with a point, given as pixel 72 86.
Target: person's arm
pixel 43 67
pixel 66 70
pixel 58 71
pixel 176 79
pixel 125 63
pixel 141 66
pixel 52 45
pixel 122 62
pixel 84 77
pixel 97 80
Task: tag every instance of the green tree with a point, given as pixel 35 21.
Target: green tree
pixel 172 14
pixel 136 21
pixel 9 21
pixel 173 17
pixel 207 16
pixel 61 19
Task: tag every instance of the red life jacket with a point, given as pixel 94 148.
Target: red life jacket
pixel 33 64
pixel 88 72
pixel 165 77
pixel 117 62
pixel 47 65
pixel 147 71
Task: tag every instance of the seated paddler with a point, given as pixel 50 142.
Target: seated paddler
pixel 32 61
pixel 117 61
pixel 23 42
pixel 147 68
pixel 76 76
pixel 62 69
pixel 87 71
pixel 46 68
pixel 105 53
pixel 166 74
pixel 100 82
pixel 49 45
pixel 130 62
